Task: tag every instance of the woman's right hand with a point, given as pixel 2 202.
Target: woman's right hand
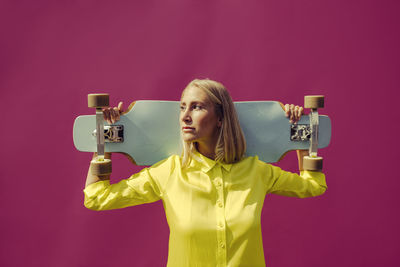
pixel 112 115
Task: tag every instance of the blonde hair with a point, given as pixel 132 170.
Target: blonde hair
pixel 231 144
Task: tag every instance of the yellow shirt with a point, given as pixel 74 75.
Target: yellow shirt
pixel 213 209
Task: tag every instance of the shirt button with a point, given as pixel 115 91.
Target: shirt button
pixel 222 245
pixel 219 183
pixel 221 225
pixel 220 204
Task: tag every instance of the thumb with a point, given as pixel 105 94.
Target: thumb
pixel 287 110
pixel 120 107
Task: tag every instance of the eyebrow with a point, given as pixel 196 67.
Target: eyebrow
pixel 194 102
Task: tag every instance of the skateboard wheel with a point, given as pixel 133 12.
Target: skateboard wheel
pixel 98 100
pixel 314 101
pixel 101 167
pixel 312 163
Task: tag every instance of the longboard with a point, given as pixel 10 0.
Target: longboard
pixel 149 131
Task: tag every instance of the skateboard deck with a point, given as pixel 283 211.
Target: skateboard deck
pixel 149 131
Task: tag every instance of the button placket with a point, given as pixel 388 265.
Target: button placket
pixel 220 211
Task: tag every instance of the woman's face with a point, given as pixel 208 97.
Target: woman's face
pixel 198 119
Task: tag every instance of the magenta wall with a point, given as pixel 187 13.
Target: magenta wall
pixel 53 53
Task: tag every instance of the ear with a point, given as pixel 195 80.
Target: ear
pixel 219 123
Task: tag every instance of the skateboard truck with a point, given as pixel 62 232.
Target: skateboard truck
pixel 99 165
pixel 112 133
pixel 312 162
pixel 300 132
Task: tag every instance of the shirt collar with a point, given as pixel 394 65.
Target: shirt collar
pixel 207 164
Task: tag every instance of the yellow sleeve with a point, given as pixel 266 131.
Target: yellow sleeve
pixel 144 187
pixel 307 184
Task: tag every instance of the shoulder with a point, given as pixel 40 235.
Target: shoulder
pixel 171 159
pixel 251 160
pixel 166 165
pixel 253 163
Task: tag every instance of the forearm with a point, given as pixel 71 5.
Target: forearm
pixel 92 178
pixel 305 184
pixel 300 155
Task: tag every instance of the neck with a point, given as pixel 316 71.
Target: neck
pixel 207 150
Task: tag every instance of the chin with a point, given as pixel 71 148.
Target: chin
pixel 188 138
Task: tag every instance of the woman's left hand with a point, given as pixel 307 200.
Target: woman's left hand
pixel 293 112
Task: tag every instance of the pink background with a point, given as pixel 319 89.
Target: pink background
pixel 53 53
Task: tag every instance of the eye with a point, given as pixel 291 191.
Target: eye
pixel 197 107
pixel 182 108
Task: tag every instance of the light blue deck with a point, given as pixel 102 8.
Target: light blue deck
pixel 152 131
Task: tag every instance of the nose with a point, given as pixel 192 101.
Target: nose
pixel 185 116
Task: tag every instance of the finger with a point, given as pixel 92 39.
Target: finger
pixel 291 113
pixel 116 114
pixel 300 112
pixel 113 115
pixel 108 115
pixel 295 109
pixel 105 114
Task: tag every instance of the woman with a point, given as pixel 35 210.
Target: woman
pixel 212 195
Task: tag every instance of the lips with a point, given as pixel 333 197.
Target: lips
pixel 186 129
